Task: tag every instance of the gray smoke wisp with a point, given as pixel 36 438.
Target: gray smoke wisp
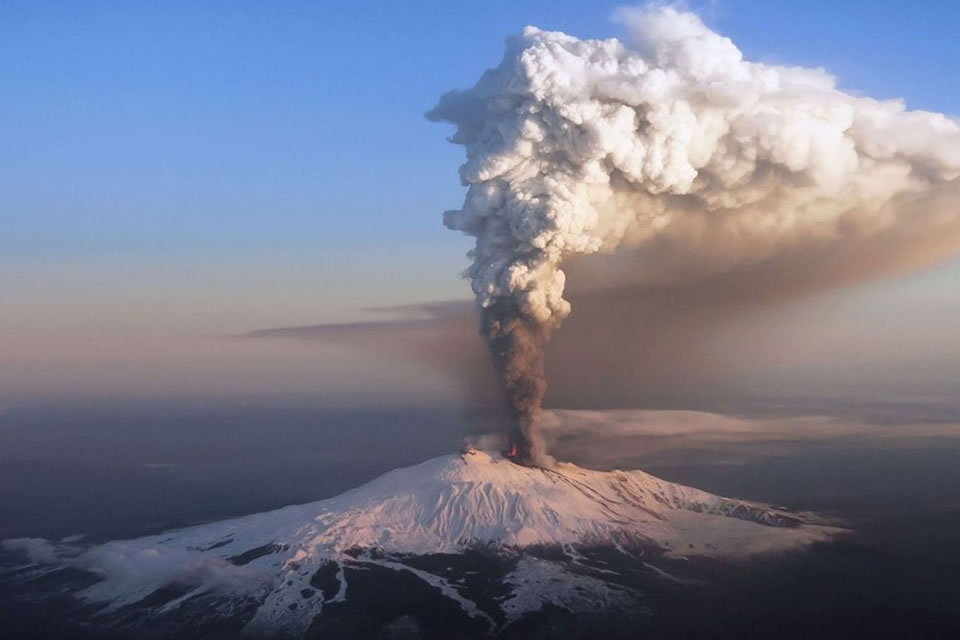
pixel 676 151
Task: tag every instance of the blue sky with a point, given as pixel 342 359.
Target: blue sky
pixel 155 156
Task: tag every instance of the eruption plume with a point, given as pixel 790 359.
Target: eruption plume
pixel 676 151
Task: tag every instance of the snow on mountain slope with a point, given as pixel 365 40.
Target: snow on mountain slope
pixel 444 505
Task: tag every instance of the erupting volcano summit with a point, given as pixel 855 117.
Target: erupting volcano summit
pixel 287 568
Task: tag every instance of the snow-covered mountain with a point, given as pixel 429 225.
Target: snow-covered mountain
pixel 285 568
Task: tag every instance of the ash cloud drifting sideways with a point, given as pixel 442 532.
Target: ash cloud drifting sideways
pixel 684 160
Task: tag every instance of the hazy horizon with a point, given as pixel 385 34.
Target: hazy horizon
pixel 155 204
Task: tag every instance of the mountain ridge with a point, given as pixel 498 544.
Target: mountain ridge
pixel 446 505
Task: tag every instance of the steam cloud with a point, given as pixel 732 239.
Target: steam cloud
pixel 678 151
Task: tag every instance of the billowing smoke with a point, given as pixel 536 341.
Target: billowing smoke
pixel 679 153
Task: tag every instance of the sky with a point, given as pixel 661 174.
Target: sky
pixel 170 170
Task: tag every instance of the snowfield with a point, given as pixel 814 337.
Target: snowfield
pixel 446 505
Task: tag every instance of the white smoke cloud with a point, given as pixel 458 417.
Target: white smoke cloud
pixel 131 572
pixel 678 150
pixel 37 550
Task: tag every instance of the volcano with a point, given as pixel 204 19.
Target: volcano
pixel 484 539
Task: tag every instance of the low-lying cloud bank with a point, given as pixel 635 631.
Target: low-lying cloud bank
pixel 608 439
pixel 131 571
